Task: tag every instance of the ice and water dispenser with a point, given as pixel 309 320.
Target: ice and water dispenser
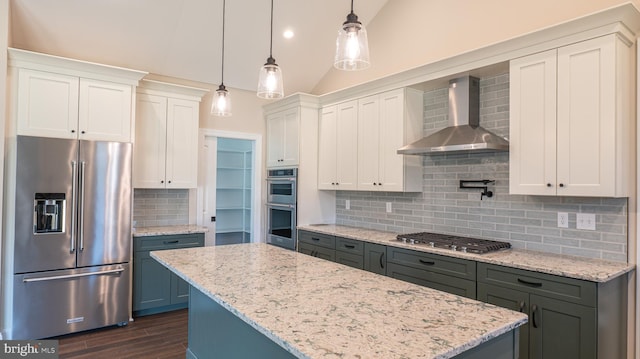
pixel 48 216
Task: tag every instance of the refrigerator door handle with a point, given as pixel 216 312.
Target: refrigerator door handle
pixel 74 206
pixel 81 207
pixel 67 276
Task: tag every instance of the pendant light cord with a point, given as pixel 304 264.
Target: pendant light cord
pixel 352 6
pixel 271 39
pixel 224 5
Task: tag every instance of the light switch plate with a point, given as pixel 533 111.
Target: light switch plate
pixel 563 220
pixel 388 207
pixel 586 221
pixel 347 204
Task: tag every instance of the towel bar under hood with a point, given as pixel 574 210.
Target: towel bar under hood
pixel 464 133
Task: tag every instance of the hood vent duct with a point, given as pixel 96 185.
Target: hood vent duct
pixel 464 133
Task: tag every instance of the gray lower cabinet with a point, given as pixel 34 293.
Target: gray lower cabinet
pixel 375 258
pixel 568 318
pixel 317 245
pixel 350 252
pixel 155 288
pixel 451 275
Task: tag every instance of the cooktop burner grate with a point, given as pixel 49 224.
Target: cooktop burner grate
pixel 455 243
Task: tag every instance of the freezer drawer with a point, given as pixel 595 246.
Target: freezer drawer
pixel 60 302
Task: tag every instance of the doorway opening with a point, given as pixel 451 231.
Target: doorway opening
pixel 229 189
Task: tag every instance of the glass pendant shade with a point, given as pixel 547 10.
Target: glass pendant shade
pixel 221 105
pixel 352 47
pixel 270 80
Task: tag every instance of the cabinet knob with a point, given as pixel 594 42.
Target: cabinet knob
pixel 169 181
pixel 375 184
pixel 162 181
pixel 333 183
pixel 561 185
pixel 548 184
pixel 379 184
pixel 82 132
pixel 73 131
pixel 337 183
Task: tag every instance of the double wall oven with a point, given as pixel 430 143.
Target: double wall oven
pixel 281 207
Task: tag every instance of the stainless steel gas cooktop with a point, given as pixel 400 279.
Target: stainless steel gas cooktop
pixel 454 243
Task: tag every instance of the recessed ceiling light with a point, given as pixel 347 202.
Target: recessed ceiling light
pixel 288 34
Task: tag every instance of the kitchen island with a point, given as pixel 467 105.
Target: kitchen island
pixel 257 300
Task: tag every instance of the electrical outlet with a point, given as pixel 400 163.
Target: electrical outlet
pixel 347 204
pixel 388 207
pixel 563 220
pixel 586 221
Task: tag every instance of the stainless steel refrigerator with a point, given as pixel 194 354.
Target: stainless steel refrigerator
pixel 72 236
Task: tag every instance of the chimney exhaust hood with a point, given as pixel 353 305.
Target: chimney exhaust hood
pixel 464 133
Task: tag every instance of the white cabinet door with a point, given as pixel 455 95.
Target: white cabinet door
pixel 275 142
pixel 347 146
pixel 327 148
pixel 369 150
pixel 182 144
pixel 394 123
pixel 104 111
pixel 149 153
pixel 290 137
pixel 587 118
pixel 282 138
pixel 532 147
pixel 47 104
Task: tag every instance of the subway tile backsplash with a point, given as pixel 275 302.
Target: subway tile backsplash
pixel 528 222
pixel 160 207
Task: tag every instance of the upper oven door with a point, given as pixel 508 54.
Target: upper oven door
pixel 281 190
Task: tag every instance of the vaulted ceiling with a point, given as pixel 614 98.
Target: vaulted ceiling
pixel 182 38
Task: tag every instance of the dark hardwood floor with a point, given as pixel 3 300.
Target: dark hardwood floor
pixel 154 336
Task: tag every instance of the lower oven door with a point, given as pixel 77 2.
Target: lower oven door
pixel 281 223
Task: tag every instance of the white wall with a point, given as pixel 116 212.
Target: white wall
pixel 411 33
pixel 4 43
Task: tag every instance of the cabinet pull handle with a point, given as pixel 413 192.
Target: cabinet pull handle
pixel 171 242
pixel 350 246
pixel 534 310
pixel 531 284
pixel 521 305
pixel 429 263
pixel 315 239
pixel 381 262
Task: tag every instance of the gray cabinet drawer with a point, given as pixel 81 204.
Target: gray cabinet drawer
pixel 456 267
pixel 350 246
pixel 175 241
pixel 427 278
pixel 567 289
pixel 350 259
pixel 317 239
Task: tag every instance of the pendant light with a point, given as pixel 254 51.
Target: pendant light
pixel 270 78
pixel 352 48
pixel 221 105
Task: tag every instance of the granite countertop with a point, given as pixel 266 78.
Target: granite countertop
pixel 168 230
pixel 594 270
pixel 319 309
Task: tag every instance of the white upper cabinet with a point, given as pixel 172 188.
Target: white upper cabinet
pixel 65 98
pixel 282 138
pixel 572 120
pixel 387 122
pixel 338 147
pixel 166 147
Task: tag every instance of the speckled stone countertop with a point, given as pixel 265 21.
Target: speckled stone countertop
pixel 319 309
pixel 594 270
pixel 168 230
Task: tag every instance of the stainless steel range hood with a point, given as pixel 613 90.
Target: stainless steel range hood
pixel 464 133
